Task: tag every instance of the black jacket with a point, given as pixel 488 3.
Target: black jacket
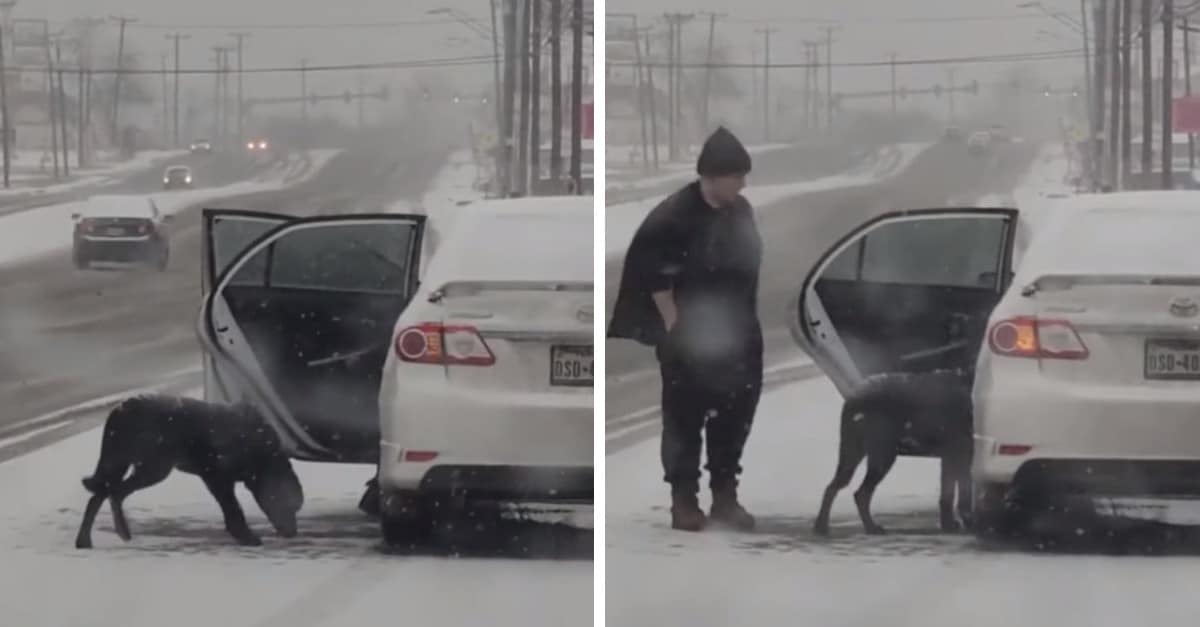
pixel 703 254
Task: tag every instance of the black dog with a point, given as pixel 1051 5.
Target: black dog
pixel 222 444
pixel 929 412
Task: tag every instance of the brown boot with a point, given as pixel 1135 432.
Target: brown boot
pixel 727 510
pixel 686 514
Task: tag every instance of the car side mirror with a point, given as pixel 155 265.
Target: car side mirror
pixel 462 203
pixel 76 216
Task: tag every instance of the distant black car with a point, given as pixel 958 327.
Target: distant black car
pixel 201 146
pixel 127 229
pixel 177 177
pixel 952 134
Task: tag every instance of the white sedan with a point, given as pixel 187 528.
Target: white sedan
pixel 487 394
pixel 1087 360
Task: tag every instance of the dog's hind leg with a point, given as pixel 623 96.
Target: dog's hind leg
pixel 881 455
pixel 83 539
pixel 850 454
pixel 235 518
pixel 144 476
pixel 950 476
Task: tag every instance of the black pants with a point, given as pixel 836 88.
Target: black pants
pixel 717 399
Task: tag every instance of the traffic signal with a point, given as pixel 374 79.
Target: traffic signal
pixel 937 91
pixel 903 92
pixel 312 98
pixel 974 88
pixel 347 96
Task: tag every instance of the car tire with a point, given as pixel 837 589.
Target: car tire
pixel 994 519
pixel 407 521
pixel 161 259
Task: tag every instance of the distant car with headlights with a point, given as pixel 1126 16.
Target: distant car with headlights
pixel 201 146
pixel 177 177
pixel 121 229
pixel 258 145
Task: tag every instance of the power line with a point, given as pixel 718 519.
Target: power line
pixel 1054 55
pixel 298 26
pixel 925 19
pixel 381 65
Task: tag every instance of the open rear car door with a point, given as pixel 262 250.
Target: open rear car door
pixel 299 318
pixel 908 291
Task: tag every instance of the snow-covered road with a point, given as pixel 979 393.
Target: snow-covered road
pixel 782 574
pixel 332 575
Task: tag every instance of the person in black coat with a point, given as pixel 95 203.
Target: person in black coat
pixel 689 288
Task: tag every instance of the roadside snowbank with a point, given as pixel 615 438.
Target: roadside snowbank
pixel 25 169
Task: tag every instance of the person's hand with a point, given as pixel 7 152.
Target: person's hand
pixel 669 321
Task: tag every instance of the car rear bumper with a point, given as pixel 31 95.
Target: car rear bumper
pixel 1032 418
pixel 123 249
pixel 539 433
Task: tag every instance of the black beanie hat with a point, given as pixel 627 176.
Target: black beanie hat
pixel 723 155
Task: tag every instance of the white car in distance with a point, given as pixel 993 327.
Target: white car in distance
pixel 487 394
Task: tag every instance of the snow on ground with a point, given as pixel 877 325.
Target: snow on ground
pixel 781 574
pixel 455 183
pixel 43 230
pixel 332 574
pixel 623 219
pixel 28 179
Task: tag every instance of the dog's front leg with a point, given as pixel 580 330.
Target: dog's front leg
pixel 235 519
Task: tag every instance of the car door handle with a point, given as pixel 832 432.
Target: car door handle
pixel 222 329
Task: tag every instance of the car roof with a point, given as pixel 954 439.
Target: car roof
pixel 547 238
pixel 1123 233
pixel 118 207
pixel 178 167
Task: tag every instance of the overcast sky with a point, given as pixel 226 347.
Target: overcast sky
pixel 868 31
pixel 287 47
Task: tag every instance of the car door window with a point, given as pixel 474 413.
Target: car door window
pixel 350 257
pixel 947 252
pixel 230 237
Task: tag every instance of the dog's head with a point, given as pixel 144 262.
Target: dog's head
pixel 277 490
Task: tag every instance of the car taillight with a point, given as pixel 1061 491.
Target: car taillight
pixel 87 225
pixel 143 228
pixel 1036 338
pixel 450 345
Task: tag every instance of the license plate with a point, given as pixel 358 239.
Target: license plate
pixel 1172 359
pixel 571 366
pixel 114 230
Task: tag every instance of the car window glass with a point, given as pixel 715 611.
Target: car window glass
pixel 844 266
pixel 230 236
pixel 952 252
pixel 351 257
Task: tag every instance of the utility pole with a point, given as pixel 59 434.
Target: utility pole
pixel 177 37
pixel 653 96
pixel 766 104
pixel 577 95
pixel 641 93
pixel 950 94
pixel 893 88
pixel 1147 90
pixel 62 112
pixel 241 99
pixel 1089 97
pixel 829 74
pixel 508 137
pixel 523 126
pixel 1114 124
pixel 675 23
pixel 535 88
pixel 166 100
pixel 496 65
pixel 708 71
pixel 4 119
pixel 116 116
pixel 304 102
pixel 1096 143
pixel 556 122
pixel 219 51
pixel 362 113
pixel 53 108
pixel 1168 77
pixel 1187 86
pixel 1126 90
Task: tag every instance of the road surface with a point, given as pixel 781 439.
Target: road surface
pixel 69 335
pixel 915 576
pixel 796 232
pixel 208 170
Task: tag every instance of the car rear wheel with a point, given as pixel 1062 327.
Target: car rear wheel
pixel 81 262
pixel 994 519
pixel 407 520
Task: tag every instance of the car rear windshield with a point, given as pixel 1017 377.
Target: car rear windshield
pixel 531 247
pixel 1120 242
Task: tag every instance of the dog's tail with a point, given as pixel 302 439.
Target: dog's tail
pixel 107 466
